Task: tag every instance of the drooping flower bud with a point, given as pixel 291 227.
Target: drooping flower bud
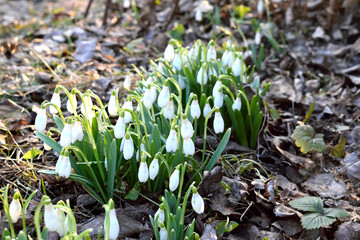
pixel 65 166
pixel 207 109
pixel 77 133
pixel 198 15
pixel 189 147
pixel 50 217
pixel 197 202
pixel 147 99
pixel 181 81
pixel 174 179
pixel 66 135
pixel 195 108
pixel 218 122
pixel 127 82
pixel 237 104
pixel 113 223
pixel 177 62
pixel 60 219
pixel 257 39
pixel 236 67
pixel 41 120
pixel 160 214
pixel 55 99
pixel 260 7
pixel 128 149
pixel 211 52
pixel 169 109
pixel 143 173
pixel 187 129
pixel 127 105
pixel 163 232
pixel 202 77
pixel 164 95
pixel 68 103
pixel 172 141
pixel 169 52
pixel 154 168
pixel 119 130
pixel 112 107
pixel 15 208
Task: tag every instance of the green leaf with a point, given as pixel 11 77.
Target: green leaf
pixel 310 111
pixel 6 233
pixel 59 123
pixel 49 141
pixel 32 153
pixel 133 194
pixel 44 233
pixel 219 150
pixel 338 149
pixel 177 32
pixel 335 212
pixel 309 204
pixel 316 220
pixel 307 140
pixel 111 164
pixel 242 10
pixel 21 236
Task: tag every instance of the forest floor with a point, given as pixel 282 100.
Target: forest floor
pixel 313 68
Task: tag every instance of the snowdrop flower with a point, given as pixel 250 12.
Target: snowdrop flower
pixel 219 99
pixel 202 77
pixel 237 103
pixel 105 164
pixel 113 223
pixel 188 146
pixel 64 166
pixel 195 108
pixel 154 168
pixel 127 105
pixel 66 135
pixel 55 99
pixel 112 107
pixel 172 141
pixel 86 108
pixel 164 95
pixel 168 110
pixel 194 51
pixel 257 39
pixel 174 179
pixel 68 103
pixel 15 208
pixel 236 67
pixel 143 173
pixel 169 52
pixel 218 122
pixel 197 202
pixel 186 128
pixel 212 72
pixel 153 93
pixel 207 109
pixel 198 15
pixel 77 133
pixel 142 148
pixel 59 162
pixel 228 58
pixel 260 7
pixel 211 52
pixel 147 99
pixel 50 217
pixel 216 88
pixel 60 219
pixel 128 149
pixel 225 57
pixel 160 214
pixel 181 81
pixel 119 130
pixel 148 81
pixel 163 232
pixel 126 3
pixel 127 82
pixel 41 119
pixel 177 62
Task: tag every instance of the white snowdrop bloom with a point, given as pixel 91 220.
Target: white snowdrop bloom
pixel 15 208
pixel 59 162
pixel 260 7
pixel 181 81
pixel 153 94
pixel 218 122
pixel 66 225
pixel 55 99
pixel 195 109
pixel 148 81
pixel 219 99
pixel 66 135
pixel 41 120
pixel 65 167
pixel 202 77
pixel 114 228
pixel 207 109
pixel 126 3
pixel 78 133
pixel 231 59
pixel 147 99
pixel 187 129
pixel 60 219
pixel 128 150
pixel 154 168
pixel 105 164
pixel 172 141
pixel 119 130
pixel 197 202
pixel 237 104
pixel 50 217
pixel 257 39
pixel 163 232
pixel 236 67
pixel 86 108
pixel 194 51
pixel 169 53
pixel 143 173
pixel 174 180
pixel 68 103
pixel 225 57
pixel 142 148
pixel 160 214
pixel 112 107
pixel 168 110
pixel 217 87
pixel 212 72
pixel 189 147
pixel 127 105
pixel 177 62
pixel 211 53
pixel 127 82
pixel 198 15
pixel 164 96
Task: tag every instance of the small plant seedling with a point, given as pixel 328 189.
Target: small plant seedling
pixel 307 140
pixel 317 216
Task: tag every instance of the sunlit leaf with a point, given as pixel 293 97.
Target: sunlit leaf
pixel 316 220
pixel 338 149
pixel 307 140
pixel 309 204
pixel 32 153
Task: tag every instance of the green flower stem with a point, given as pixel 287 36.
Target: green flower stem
pixel 44 200
pixel 179 110
pixel 68 94
pixel 67 210
pixel 179 90
pixel 100 104
pixel 205 128
pixel 6 210
pixel 137 99
pixel 231 79
pixel 47 103
pixel 149 199
pixel 82 235
pixel 229 92
pixel 24 207
pixel 247 102
pixel 107 221
pixel 188 104
pixel 185 203
pixel 76 149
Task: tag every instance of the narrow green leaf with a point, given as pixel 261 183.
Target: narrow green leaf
pixel 111 166
pixel 59 123
pixel 219 150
